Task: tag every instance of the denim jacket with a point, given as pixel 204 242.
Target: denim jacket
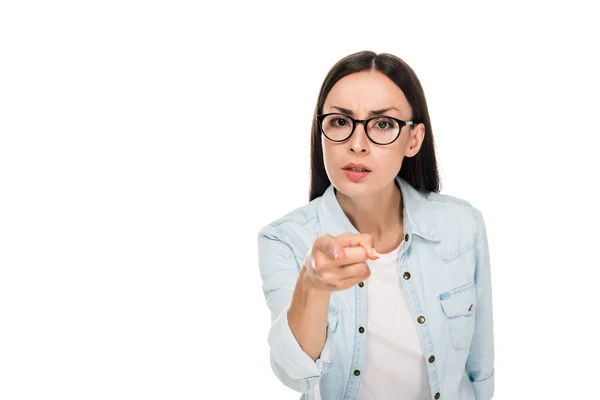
pixel 444 269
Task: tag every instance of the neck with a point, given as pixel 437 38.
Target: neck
pixel 378 213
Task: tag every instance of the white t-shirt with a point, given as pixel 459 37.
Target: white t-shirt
pixel 395 366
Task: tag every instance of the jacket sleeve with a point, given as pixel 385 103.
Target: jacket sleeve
pixel 279 271
pixel 480 361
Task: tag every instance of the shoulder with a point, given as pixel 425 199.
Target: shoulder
pixel 294 219
pixel 440 198
pixel 297 229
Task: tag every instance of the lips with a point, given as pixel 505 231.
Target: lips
pixel 355 176
pixel 356 167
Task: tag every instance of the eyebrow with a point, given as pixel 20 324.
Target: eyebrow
pixel 374 112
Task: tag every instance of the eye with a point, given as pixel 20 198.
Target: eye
pixel 336 121
pixel 384 124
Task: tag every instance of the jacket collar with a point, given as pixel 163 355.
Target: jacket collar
pixel 418 213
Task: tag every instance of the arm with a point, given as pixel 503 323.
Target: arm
pixel 480 362
pixel 283 292
pixel 307 316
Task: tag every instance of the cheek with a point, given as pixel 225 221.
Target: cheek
pixel 329 154
pixel 388 162
pixel 333 159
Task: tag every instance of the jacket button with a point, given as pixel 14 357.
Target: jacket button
pixel 406 237
pixel 356 372
pixel 437 395
pixel 361 329
pixel 431 359
pixel 406 275
pixel 361 284
pixel 421 319
pixel 470 307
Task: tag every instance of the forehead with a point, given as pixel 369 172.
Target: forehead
pixel 365 91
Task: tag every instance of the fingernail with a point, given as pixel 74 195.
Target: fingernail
pixel 375 252
pixel 335 254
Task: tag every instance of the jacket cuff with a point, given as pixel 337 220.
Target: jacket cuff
pixel 288 354
pixel 484 389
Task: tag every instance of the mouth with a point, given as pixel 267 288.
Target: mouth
pixel 356 174
pixel 356 169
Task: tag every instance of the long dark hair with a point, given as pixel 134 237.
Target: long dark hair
pixel 420 171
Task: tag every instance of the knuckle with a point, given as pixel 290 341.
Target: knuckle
pixel 322 262
pixel 317 260
pixel 320 240
pixel 326 276
pixel 361 268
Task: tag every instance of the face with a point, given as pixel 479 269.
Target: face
pixel 361 93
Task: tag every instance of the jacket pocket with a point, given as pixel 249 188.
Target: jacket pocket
pixel 458 306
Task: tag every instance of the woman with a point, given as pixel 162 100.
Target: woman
pixel 379 287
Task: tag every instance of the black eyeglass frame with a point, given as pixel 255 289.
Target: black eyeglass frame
pixel 365 122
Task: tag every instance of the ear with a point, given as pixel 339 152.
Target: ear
pixel 417 135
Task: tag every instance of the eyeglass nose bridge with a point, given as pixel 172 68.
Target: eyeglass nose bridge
pixel 354 123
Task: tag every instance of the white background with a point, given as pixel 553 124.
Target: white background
pixel 144 144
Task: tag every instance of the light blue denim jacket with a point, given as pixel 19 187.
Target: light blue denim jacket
pixel 445 253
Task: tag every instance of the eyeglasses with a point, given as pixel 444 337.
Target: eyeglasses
pixel 380 130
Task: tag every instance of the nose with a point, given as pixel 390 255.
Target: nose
pixel 359 141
